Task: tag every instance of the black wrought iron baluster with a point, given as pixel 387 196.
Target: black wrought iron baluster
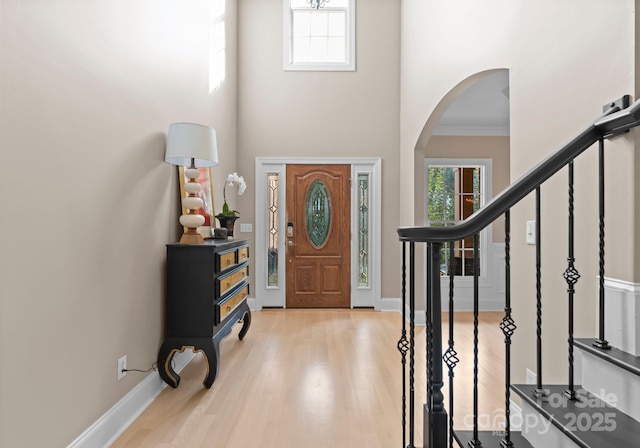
pixel 475 442
pixel 508 327
pixel 571 275
pixel 601 342
pixel 403 345
pixel 539 392
pixel 412 340
pixel 451 356
pixel 435 422
pixel 428 407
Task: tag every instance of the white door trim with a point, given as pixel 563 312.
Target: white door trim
pixel 275 296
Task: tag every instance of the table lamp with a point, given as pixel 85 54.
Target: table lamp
pixel 191 145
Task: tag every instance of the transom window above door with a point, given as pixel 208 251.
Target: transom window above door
pixel 319 35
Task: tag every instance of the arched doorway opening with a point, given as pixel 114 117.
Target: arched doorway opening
pixel 462 159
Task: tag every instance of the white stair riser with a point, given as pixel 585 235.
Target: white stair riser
pixel 614 385
pixel 540 432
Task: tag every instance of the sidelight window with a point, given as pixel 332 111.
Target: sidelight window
pixel 363 229
pixel 272 224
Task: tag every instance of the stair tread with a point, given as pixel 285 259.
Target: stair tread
pixel 615 356
pixel 590 423
pixel 491 439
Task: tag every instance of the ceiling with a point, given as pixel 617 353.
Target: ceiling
pixel 482 109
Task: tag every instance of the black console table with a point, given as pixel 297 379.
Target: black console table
pixel 207 289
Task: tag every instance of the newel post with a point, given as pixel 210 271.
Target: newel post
pixel 435 416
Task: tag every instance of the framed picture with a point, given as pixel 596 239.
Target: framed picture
pixel 206 180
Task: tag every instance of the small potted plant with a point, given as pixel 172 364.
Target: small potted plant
pixel 228 217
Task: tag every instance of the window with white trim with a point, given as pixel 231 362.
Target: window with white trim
pixel 454 190
pixel 320 37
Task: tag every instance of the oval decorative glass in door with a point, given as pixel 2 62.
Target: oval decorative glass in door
pixel 318 213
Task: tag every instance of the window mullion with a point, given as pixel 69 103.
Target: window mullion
pixel 333 52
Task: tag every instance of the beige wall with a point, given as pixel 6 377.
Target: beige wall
pixel 559 81
pixel 323 114
pixel 87 92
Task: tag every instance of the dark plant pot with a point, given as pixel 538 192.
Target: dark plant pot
pixel 227 223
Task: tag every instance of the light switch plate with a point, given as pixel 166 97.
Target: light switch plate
pixel 246 228
pixel 531 232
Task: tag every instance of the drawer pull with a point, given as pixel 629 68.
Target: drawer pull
pixel 227 260
pixel 232 279
pixel 231 304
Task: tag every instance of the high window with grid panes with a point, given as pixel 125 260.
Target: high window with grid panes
pixel 319 39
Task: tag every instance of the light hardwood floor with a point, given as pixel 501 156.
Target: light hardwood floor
pixel 315 379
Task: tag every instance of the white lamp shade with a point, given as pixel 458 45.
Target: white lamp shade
pixel 186 141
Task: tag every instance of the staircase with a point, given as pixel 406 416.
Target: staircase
pixel 599 406
pixel 604 412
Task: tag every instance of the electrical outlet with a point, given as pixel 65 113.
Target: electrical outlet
pixel 531 377
pixel 122 367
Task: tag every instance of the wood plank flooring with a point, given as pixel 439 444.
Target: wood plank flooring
pixel 316 379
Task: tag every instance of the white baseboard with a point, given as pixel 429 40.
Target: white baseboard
pixel 116 420
pixel 254 304
pixel 391 305
pixel 395 305
pixel 420 317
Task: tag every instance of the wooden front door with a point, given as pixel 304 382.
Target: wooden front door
pixel 318 236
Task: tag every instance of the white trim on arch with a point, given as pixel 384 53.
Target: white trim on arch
pixel 275 296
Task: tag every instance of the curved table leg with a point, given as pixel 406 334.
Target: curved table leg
pixel 211 354
pixel 210 347
pixel 204 345
pixel 246 323
pixel 165 369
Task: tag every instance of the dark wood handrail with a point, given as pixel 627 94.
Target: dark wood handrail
pixel 613 122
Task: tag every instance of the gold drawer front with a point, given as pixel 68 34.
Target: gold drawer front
pixel 232 302
pixel 230 280
pixel 227 259
pixel 243 254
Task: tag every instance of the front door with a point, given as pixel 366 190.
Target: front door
pixel 318 236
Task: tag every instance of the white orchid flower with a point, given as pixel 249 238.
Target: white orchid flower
pixel 242 185
pixel 232 180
